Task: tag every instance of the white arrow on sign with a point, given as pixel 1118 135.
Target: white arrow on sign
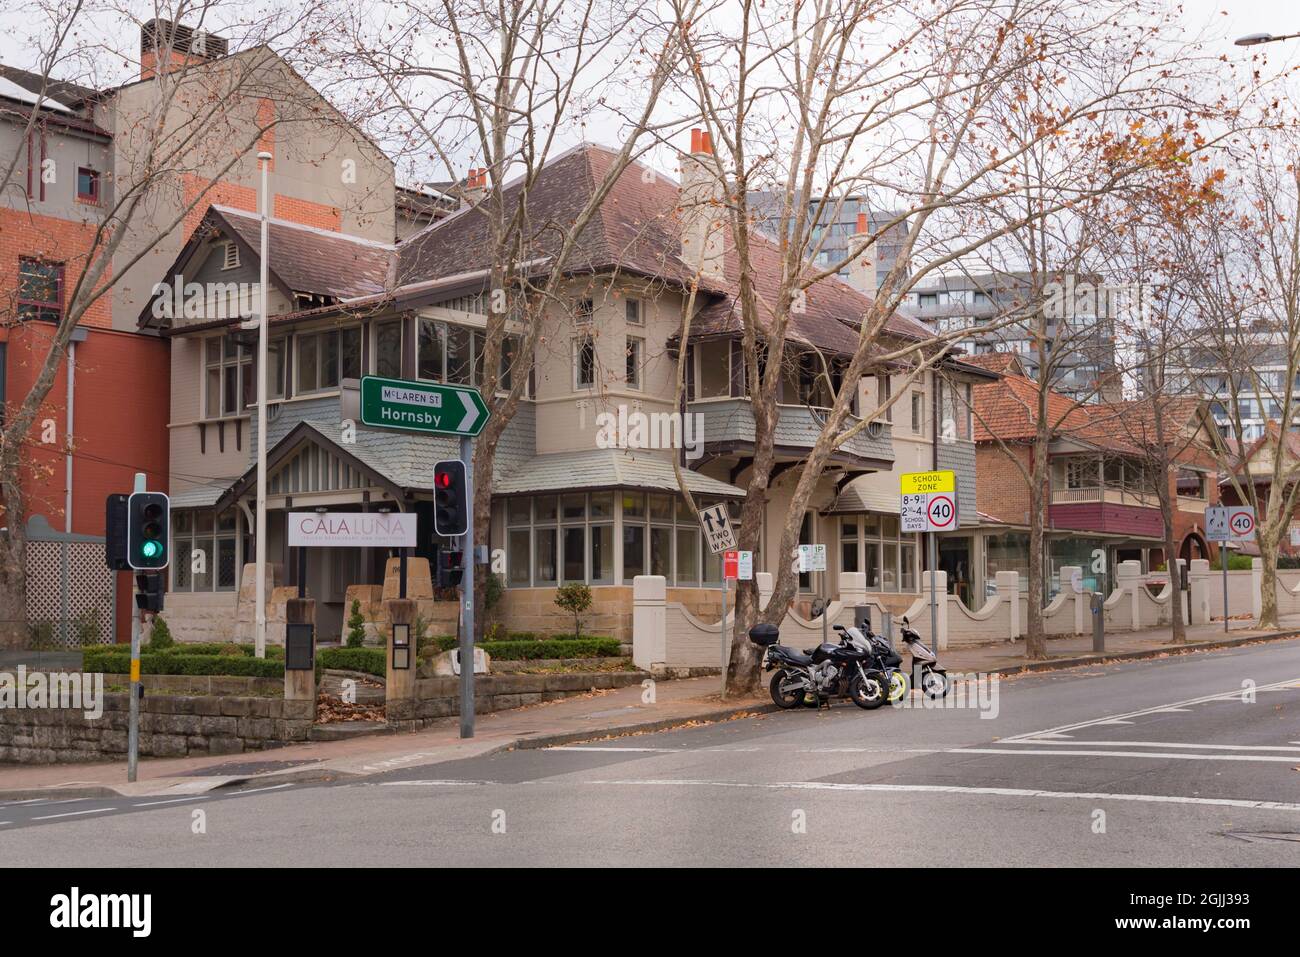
pixel 471 413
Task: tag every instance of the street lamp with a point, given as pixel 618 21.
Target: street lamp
pixel 1254 39
pixel 259 593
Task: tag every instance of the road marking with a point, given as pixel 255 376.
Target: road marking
pixel 195 797
pixel 1158 744
pixel 1111 719
pixel 682 750
pixel 93 810
pixel 1128 754
pixel 429 784
pixel 962 790
pixel 274 787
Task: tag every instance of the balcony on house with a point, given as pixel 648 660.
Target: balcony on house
pixel 1103 494
pixel 727 425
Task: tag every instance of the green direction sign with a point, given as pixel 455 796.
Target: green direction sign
pixel 422 406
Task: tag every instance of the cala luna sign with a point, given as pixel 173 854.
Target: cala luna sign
pixel 355 529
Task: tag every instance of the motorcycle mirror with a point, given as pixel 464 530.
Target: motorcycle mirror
pixel 905 621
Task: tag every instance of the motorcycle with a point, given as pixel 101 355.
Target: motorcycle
pixel 886 660
pixel 816 675
pixel 933 678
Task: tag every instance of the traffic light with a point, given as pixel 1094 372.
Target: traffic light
pixel 115 532
pixel 147 518
pixel 149 591
pixel 450 498
pixel 451 565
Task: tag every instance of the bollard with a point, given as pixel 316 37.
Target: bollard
pixel 1098 605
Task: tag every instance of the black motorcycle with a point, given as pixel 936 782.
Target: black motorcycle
pixel 816 675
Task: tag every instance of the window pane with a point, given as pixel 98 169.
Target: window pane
pixel 602 554
pixel 517 557
pixel 330 359
pixel 891 566
pixel 518 511
pixel 213 404
pixel 633 552
pixel 872 567
pixel 688 556
pixel 544 562
pixel 430 351
pixel 684 513
pixel 661 508
pixel 634 506
pixel 458 354
pixel 248 381
pixel 229 390
pixel 277 354
pixel 906 568
pixel 575 547
pixel 602 504
pixel 661 552
pixel 544 508
pixel 574 506
pixel 203 522
pixel 388 349
pixel 848 556
pixel 351 353
pixel 226 521
pixel 225 563
pixel 306 363
pixel 181 565
pixel 586 373
pixel 203 579
pixel 479 339
pixel 712 568
pixel 848 528
pixel 633 363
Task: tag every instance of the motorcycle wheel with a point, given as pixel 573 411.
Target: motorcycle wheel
pixel 791 699
pixel 868 693
pixel 898 686
pixel 935 683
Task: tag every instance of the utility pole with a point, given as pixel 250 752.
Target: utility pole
pixel 467 596
pixel 259 592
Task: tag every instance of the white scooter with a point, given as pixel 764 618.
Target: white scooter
pixel 933 679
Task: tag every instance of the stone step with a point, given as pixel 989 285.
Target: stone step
pixel 344 730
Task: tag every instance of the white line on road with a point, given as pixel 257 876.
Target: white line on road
pixel 566 747
pixel 93 810
pixel 194 797
pixel 1112 718
pixel 1128 754
pixel 1154 744
pixel 961 790
pixel 274 787
pixel 429 784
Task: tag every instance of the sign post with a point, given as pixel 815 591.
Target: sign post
pixel 716 523
pixel 928 503
pixel 1230 523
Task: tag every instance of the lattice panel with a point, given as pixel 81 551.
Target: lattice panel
pixel 89 606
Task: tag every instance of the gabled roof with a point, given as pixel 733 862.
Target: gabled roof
pixel 637 230
pixel 1008 410
pixel 1290 443
pixel 1003 363
pixel 63 93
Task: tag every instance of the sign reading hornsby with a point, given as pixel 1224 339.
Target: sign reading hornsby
pixel 358 529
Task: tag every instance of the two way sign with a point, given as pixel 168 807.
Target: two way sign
pixel 434 407
pixel 928 501
pixel 1231 523
pixel 717 528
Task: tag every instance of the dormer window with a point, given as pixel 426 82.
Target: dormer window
pixel 229 256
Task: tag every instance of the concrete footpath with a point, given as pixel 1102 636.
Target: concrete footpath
pixel 582 718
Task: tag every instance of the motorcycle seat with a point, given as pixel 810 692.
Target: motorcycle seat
pixel 796 657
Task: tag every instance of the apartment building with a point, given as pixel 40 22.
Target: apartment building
pixel 568 505
pixel 108 415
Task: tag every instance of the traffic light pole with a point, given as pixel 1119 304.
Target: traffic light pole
pixel 133 707
pixel 469 566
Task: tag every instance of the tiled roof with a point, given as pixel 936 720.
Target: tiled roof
pixel 605 468
pixel 1000 362
pixel 1008 410
pixel 313 260
pixel 637 230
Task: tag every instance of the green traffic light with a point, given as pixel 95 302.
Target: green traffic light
pixel 151 549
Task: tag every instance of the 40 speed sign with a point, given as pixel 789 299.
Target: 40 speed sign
pixel 928 501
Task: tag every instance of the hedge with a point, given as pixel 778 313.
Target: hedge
pixel 119 663
pixel 372 661
pixel 561 647
pixel 248 649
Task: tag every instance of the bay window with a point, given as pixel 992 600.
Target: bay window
pixel 325 358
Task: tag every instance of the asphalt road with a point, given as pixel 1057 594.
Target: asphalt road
pixel 1162 762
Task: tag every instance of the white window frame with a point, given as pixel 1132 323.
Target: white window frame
pixel 634 351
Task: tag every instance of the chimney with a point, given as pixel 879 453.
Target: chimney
pixel 862 268
pixel 701 209
pixel 166 46
pixel 475 188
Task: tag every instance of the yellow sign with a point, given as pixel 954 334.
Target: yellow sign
pixel 927 483
pixel 135 669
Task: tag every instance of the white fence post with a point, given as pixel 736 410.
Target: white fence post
pixel 649 637
pixel 1007 585
pixel 1065 583
pixel 1129 580
pixel 1199 580
pixel 939 627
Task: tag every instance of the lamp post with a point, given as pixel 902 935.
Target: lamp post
pixel 259 595
pixel 1254 39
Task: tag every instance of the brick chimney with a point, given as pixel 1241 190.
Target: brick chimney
pixel 701 209
pixel 475 187
pixel 166 46
pixel 862 268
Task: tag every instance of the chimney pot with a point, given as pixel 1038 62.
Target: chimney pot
pixel 706 143
pixel 695 140
pixel 863 228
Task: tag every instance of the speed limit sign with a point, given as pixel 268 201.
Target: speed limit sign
pixel 1231 523
pixel 941 511
pixel 928 501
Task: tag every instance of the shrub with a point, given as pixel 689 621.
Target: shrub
pixel 530 649
pixel 112 661
pixel 494 588
pixel 160 636
pixel 575 598
pixel 231 649
pixel 356 626
pixel 372 661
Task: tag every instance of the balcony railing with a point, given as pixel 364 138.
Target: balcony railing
pixel 730 421
pixel 1113 494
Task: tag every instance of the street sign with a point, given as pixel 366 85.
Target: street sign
pixel 1231 523
pixel 745 566
pixel 434 407
pixel 812 558
pixel 355 529
pixel 717 528
pixel 928 501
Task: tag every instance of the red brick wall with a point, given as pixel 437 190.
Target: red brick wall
pixel 24 234
pixel 308 213
pixel 288 208
pixel 1001 490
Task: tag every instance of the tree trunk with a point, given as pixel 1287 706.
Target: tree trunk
pixel 1268 542
pixel 1035 645
pixel 13 587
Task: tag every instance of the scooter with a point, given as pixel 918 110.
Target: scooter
pixel 933 678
